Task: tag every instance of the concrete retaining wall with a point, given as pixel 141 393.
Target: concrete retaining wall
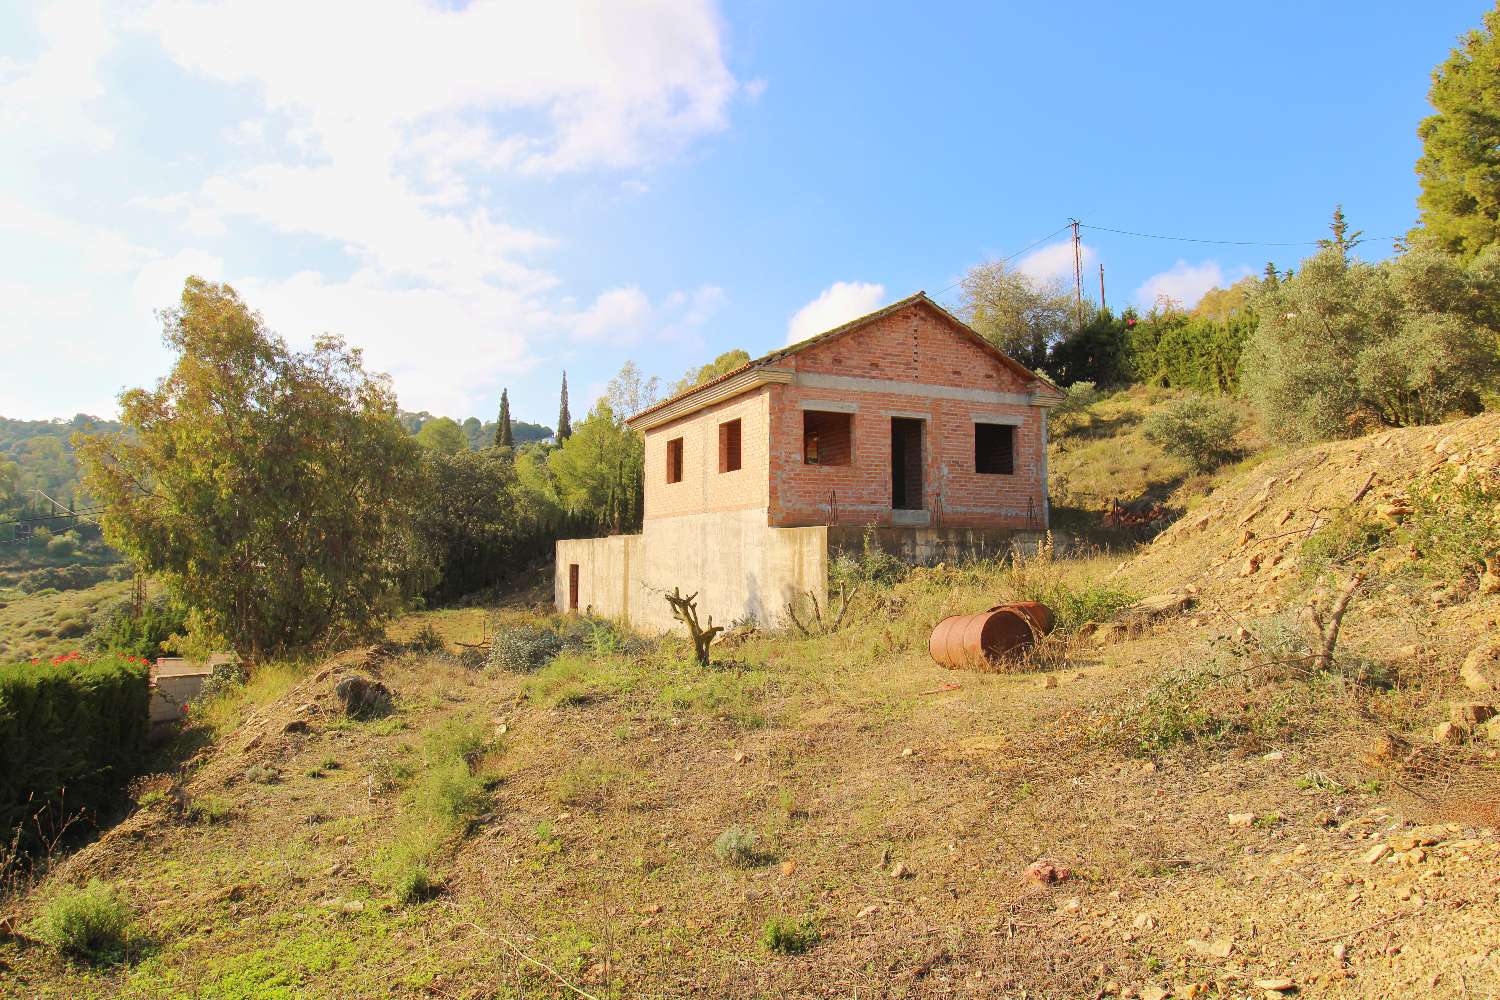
pixel 928 546
pixel 737 565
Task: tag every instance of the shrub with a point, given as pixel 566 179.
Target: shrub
pixel 524 648
pixel 89 923
pixel 787 936
pixel 1344 539
pixel 1454 525
pixel 739 846
pixel 117 630
pixel 1198 430
pixel 72 734
pixel 414 884
pixel 62 546
pixel 208 810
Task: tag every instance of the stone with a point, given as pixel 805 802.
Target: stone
pixel 1481 668
pixel 1279 983
pixel 1251 566
pixel 1144 922
pixel 363 698
pixel 1241 820
pixel 1048 872
pixel 1449 733
pixel 1375 854
pixel 1470 713
pixel 1153 993
pixel 1341 953
pixel 1217 948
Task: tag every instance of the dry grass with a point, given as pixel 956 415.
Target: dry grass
pixel 895 807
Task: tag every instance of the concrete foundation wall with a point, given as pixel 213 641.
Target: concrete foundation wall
pixel 736 564
pixel 929 546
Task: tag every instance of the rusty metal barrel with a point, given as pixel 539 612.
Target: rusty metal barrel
pixel 968 641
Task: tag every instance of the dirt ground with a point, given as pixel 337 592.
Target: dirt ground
pixel 898 810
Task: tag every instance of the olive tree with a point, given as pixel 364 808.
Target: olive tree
pixel 1343 344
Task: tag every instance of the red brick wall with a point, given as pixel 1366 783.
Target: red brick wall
pixel 916 345
pixel 703 486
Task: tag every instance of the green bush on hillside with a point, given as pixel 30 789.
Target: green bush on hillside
pixel 1198 430
pixel 72 732
pixel 89 923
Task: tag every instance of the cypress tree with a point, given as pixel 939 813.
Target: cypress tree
pixel 503 436
pixel 564 425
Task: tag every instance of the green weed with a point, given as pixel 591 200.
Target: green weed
pixel 90 923
pixel 790 936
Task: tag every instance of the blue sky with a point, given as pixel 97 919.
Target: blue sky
pixel 481 195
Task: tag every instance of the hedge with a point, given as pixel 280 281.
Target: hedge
pixel 72 733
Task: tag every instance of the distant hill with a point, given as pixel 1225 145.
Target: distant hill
pixel 39 454
pixel 481 434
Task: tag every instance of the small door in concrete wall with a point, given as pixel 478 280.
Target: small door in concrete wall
pixel 906 463
pixel 572 586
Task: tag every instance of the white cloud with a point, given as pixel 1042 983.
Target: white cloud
pixel 619 314
pixel 1054 263
pixel 387 138
pixel 49 103
pixel 835 305
pixel 1184 283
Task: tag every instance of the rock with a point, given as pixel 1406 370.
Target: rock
pixel 1273 756
pixel 296 726
pixel 1217 948
pixel 1144 922
pixel 1449 733
pixel 1241 820
pixel 1481 669
pixel 1154 993
pixel 1341 953
pixel 307 709
pixel 788 867
pixel 1049 681
pixel 1280 983
pixel 1470 713
pixel 739 757
pixel 907 751
pixel 1072 905
pixel 363 698
pixel 1048 872
pixel 1489 581
pixel 1158 606
pixel 1375 854
pixel 322 675
pixel 901 870
pixel 1251 566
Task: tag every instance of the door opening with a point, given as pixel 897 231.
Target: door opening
pixel 906 463
pixel 572 586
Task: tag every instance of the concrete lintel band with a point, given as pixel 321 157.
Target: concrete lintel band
pixel 856 383
pixel 829 406
pixel 1008 419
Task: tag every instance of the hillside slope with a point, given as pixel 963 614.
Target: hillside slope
pixel 1223 825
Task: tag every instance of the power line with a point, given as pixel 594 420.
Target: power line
pixel 1007 259
pixel 1232 243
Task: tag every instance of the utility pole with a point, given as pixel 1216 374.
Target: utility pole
pixel 1077 277
pixel 1102 306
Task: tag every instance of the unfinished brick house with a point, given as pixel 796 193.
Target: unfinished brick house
pixel 905 419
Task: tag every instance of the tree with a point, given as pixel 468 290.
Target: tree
pixel 1342 344
pixel 722 365
pixel 474 520
pixel 505 436
pixel 564 424
pixel 1343 241
pixel 1020 315
pixel 1198 430
pixel 444 435
pixel 630 392
pixel 272 491
pixel 598 474
pixel 1460 164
